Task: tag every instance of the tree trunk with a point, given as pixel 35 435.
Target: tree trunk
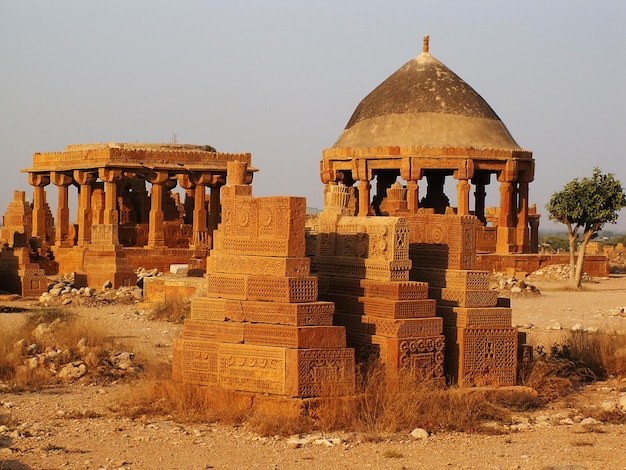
pixel 581 259
pixel 572 260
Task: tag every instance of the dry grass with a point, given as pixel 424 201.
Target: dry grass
pixel 601 351
pixel 581 358
pixel 174 310
pixel 383 405
pixel 72 338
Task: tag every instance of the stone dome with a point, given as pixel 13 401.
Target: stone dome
pixel 424 103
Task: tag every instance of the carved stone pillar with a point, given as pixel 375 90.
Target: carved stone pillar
pixel 522 239
pixel 534 233
pixel 111 178
pixel 215 207
pixel 199 209
pixel 505 235
pixel 479 202
pixel 62 181
pixel 463 190
pixel 39 181
pixel 156 236
pixel 412 196
pixel 188 204
pixel 364 188
pixel 85 179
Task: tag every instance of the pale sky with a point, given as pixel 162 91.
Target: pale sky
pixel 281 78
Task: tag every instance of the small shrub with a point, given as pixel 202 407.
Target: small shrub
pixel 175 310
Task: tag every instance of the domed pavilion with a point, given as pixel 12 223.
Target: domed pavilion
pixel 425 123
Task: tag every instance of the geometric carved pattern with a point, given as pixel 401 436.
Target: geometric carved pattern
pixel 414 327
pixel 463 317
pixel 267 288
pixel 262 369
pixel 370 288
pixel 442 241
pixel 482 356
pixel 359 268
pixel 220 262
pixel 464 298
pixel 380 238
pixel 279 313
pixel 257 369
pixel 453 278
pixel 384 308
pixel 321 372
pixel 295 337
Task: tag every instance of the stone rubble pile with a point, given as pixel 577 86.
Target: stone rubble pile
pixel 509 286
pixel 63 292
pixel 555 272
pixel 68 364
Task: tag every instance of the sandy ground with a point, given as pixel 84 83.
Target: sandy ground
pixel 73 426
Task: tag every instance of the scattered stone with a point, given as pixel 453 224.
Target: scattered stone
pixel 419 433
pixel 590 422
pixel 555 326
pixel 73 371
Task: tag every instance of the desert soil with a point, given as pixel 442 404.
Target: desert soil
pixel 73 426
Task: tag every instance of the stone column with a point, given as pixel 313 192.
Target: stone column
pixel 62 181
pixel 110 178
pixel 188 204
pixel 215 207
pixel 412 196
pixel 39 181
pixel 534 233
pixel 479 202
pixel 505 235
pixel 463 190
pixel 364 187
pixel 85 179
pixel 156 236
pixel 522 239
pixel 199 209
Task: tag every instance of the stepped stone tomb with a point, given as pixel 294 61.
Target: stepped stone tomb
pixel 260 327
pixel 392 270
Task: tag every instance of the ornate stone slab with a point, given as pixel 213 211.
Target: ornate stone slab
pixel 481 356
pixel 470 317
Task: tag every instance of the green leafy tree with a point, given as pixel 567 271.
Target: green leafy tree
pixel 586 204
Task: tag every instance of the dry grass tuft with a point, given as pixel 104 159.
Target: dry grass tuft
pixel 174 310
pixel 602 352
pixel 582 357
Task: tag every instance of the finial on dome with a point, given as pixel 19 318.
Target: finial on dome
pixel 426 41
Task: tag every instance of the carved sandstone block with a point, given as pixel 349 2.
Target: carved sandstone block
pixel 363 324
pixel 266 288
pixel 481 356
pixel 401 290
pixel 384 308
pixel 373 238
pixel 295 337
pixel 225 332
pixel 272 226
pixel 422 356
pixel 320 372
pixel 357 268
pixel 300 314
pixel 469 317
pixel 220 262
pixel 453 278
pixel 464 298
